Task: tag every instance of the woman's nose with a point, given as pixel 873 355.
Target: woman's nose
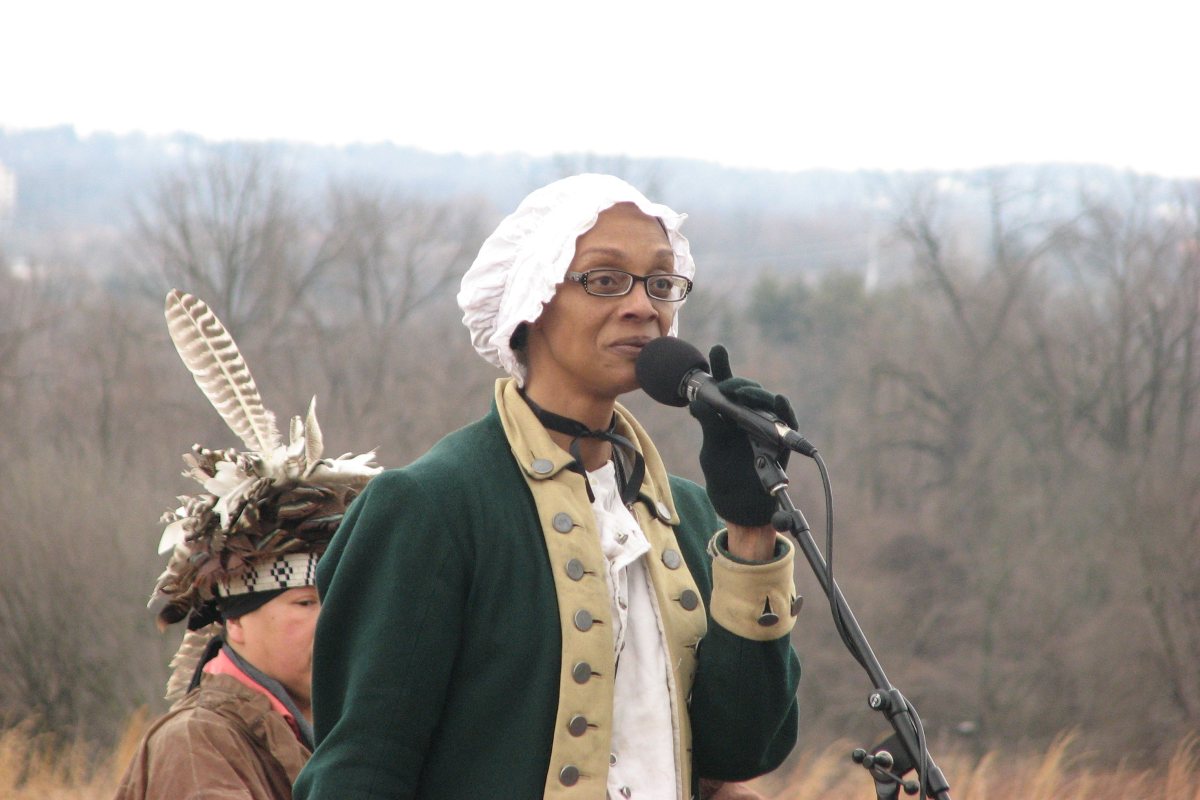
pixel 638 303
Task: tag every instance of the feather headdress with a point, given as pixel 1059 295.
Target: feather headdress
pixel 265 514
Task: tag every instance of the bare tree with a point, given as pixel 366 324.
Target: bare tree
pixel 25 312
pixel 943 411
pixel 965 322
pixel 78 526
pixel 1118 363
pixel 392 254
pixel 229 227
pixel 394 267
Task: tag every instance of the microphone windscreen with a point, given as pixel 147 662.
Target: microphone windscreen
pixel 663 365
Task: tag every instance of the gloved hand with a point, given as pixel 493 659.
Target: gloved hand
pixel 726 457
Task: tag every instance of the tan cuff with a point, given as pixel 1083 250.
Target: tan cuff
pixel 754 601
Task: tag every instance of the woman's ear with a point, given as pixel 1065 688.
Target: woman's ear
pixel 234 631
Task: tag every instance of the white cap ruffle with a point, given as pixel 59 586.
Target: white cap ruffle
pixel 521 264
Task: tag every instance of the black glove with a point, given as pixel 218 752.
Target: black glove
pixel 726 457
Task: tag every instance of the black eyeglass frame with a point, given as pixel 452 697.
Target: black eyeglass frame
pixel 582 279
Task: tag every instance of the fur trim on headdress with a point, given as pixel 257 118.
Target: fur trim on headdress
pixel 266 514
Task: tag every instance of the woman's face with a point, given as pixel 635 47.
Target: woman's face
pixel 277 638
pixel 586 346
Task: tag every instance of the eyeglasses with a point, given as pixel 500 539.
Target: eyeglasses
pixel 617 283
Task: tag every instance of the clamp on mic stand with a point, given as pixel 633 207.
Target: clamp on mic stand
pixel 887 770
pixel 911 752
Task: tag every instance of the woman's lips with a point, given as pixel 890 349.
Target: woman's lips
pixel 631 347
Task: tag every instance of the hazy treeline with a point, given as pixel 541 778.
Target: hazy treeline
pixel 1006 390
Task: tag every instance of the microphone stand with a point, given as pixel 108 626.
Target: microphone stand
pixel 886 769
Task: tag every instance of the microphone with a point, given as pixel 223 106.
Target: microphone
pixel 674 372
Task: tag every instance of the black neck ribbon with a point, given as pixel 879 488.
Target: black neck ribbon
pixel 623 450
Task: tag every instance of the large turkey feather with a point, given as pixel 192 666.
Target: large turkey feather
pixel 211 354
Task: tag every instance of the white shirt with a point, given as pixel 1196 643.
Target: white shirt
pixel 642 763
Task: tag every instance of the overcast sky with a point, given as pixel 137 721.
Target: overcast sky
pixel 893 84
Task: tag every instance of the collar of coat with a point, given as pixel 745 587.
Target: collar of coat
pixel 226 662
pixel 541 459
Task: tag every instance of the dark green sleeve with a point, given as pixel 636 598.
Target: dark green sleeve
pixel 743 709
pixel 393 586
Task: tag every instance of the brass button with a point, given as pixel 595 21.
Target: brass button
pixel 578 725
pixel 562 522
pixel 768 617
pixel 582 672
pixel 583 619
pixel 575 569
pixel 664 513
pixel 568 775
pixel 671 558
pixel 689 600
pixel 542 466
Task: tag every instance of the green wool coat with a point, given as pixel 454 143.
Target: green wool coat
pixel 448 657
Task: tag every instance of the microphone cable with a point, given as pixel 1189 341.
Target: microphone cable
pixel 843 629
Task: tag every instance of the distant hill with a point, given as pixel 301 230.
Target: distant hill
pixel 63 174
pixel 741 220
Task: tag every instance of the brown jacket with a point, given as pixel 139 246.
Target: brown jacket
pixel 222 741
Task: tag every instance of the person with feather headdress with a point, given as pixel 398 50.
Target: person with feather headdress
pixel 241 574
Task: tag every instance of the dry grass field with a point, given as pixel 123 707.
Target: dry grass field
pixel 1063 772
pixel 32 769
